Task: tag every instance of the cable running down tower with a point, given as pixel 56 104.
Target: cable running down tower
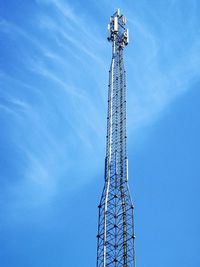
pixel 115 238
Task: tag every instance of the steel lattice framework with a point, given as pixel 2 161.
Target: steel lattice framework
pixel 115 245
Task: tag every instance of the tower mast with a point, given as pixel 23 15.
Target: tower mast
pixel 115 244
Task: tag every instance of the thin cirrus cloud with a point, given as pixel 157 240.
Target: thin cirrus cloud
pixel 159 81
pixel 59 89
pixel 47 154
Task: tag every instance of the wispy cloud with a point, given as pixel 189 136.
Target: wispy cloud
pixel 60 90
pixel 75 35
pixel 157 84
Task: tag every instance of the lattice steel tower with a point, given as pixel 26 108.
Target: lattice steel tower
pixel 115 244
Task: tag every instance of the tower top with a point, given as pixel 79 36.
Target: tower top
pixel 117 31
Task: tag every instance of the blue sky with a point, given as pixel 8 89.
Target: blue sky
pixel 54 61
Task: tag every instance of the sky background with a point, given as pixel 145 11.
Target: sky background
pixel 54 61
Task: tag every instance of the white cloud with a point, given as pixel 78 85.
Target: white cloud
pixel 64 130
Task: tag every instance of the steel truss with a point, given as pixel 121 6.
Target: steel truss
pixel 115 244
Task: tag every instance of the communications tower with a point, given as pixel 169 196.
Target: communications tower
pixel 115 238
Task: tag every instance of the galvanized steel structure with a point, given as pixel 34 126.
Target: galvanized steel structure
pixel 115 244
